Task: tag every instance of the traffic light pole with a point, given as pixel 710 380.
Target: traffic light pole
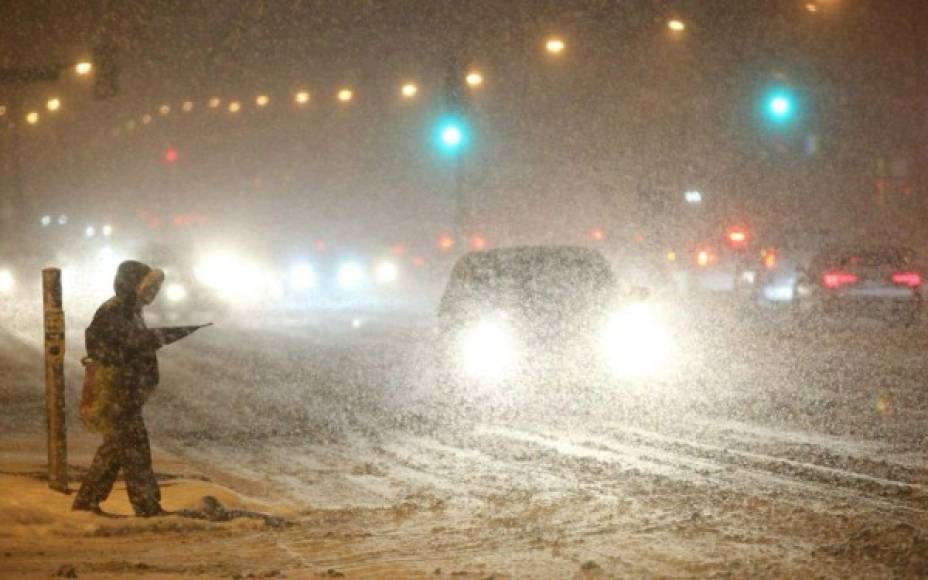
pixel 455 107
pixel 459 201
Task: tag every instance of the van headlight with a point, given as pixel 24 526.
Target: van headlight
pixel 6 281
pixel 488 350
pixel 637 343
pixel 175 293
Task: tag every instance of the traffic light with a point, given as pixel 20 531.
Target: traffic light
pixel 106 77
pixel 451 135
pixel 780 106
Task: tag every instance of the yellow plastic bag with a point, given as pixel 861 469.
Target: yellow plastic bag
pixel 99 405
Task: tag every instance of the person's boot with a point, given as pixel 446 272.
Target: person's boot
pixel 155 512
pixel 94 509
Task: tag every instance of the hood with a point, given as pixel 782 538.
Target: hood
pixel 128 276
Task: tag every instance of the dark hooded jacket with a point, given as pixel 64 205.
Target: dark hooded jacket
pixel 118 337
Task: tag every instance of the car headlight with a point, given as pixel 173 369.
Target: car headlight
pixel 6 281
pixel 488 350
pixel 350 276
pixel 175 293
pixel 233 278
pixel 302 277
pixel 637 343
pixel 386 272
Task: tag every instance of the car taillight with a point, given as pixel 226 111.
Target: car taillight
pixel 769 259
pixel 910 279
pixel 835 280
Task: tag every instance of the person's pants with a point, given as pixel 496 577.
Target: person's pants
pixel 127 448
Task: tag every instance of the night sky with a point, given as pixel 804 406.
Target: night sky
pixel 559 144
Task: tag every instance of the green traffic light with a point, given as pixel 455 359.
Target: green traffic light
pixel 780 106
pixel 451 135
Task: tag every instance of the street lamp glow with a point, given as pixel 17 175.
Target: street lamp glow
pixel 107 230
pixel 555 45
pixel 187 106
pixel 676 25
pixel 46 221
pixel 90 232
pixel 474 79
pixel 345 95
pixel 146 119
pixel 812 7
pixel 32 118
pixel 83 68
pixel 262 100
pixel 693 196
pixel 409 90
pixel 2 110
pixel 53 104
pixel 164 109
pixel 214 102
pixel 235 107
pixel 301 97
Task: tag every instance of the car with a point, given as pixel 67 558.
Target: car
pixel 848 281
pixel 184 297
pixel 516 316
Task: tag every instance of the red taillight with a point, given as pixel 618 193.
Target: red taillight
pixel 835 280
pixel 910 279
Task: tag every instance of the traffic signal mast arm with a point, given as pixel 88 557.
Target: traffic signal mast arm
pixel 37 74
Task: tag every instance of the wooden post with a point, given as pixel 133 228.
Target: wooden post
pixel 54 380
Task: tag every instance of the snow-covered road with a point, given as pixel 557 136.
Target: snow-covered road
pixel 779 453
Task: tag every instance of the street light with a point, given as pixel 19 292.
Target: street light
pixel 555 45
pixel 409 90
pixel 83 68
pixel 676 25
pixel 345 95
pixel 164 110
pixel 32 118
pixel 187 106
pixel 214 102
pixel 262 100
pixel 146 119
pixel 301 97
pixel 2 110
pixel 812 7
pixel 474 79
pixel 53 104
pixel 235 107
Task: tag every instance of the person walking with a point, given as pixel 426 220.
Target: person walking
pixel 119 342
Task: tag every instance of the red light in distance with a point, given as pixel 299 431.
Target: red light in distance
pixel 835 280
pixel 910 279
